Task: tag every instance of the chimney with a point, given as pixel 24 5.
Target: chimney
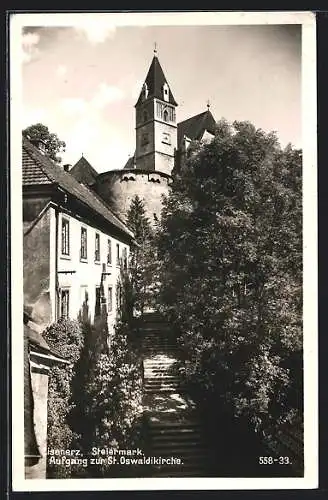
pixel 40 144
pixel 67 166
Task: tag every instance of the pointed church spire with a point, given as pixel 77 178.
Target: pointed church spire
pixel 155 82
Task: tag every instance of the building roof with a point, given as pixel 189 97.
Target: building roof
pixel 83 172
pixel 36 339
pixel 194 127
pixel 39 169
pixel 155 80
pixel 131 162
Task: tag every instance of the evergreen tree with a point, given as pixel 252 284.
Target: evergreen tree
pixel 141 255
pixel 231 264
pixel 107 387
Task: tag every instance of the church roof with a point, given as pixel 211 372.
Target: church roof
pixel 155 80
pixel 195 126
pixel 38 170
pixel 83 172
pixel 131 162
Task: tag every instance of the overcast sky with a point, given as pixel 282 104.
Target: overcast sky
pixel 83 82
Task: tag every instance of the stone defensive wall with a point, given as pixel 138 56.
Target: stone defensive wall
pixel 119 187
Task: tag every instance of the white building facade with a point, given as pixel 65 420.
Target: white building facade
pixel 75 247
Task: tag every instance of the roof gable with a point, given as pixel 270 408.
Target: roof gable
pixel 42 170
pixel 195 127
pixel 83 172
pixel 155 80
pixel 131 162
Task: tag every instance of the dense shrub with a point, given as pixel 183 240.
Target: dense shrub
pixel 96 399
pixel 114 393
pixel 66 338
pixel 108 381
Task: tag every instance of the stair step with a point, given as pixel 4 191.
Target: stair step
pixel 168 369
pixel 161 387
pixel 171 363
pixel 160 372
pixel 162 380
pixel 159 369
pixel 184 452
pixel 182 431
pixel 156 385
pixel 196 444
pixel 177 437
pixel 185 424
pixel 171 390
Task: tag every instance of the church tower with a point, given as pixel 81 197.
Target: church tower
pixel 156 127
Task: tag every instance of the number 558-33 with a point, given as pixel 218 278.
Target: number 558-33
pixel 271 460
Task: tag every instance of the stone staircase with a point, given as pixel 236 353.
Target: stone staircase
pixel 174 428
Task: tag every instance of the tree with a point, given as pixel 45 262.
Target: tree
pixel 141 255
pixel 107 387
pixel 230 246
pixel 53 144
pixel 64 336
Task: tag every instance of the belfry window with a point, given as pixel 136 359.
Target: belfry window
pixel 145 91
pixel 165 112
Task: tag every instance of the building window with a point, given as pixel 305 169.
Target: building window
pixel 65 237
pixel 118 296
pixel 166 139
pixel 97 247
pixel 144 139
pixel 125 258
pixel 64 303
pixel 165 112
pixel 166 92
pixel 83 295
pixel 109 252
pixel 98 298
pixel 84 244
pixel 144 91
pixel 117 254
pixel 110 299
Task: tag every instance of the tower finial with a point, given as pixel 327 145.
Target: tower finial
pixel 155 49
pixel 208 104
